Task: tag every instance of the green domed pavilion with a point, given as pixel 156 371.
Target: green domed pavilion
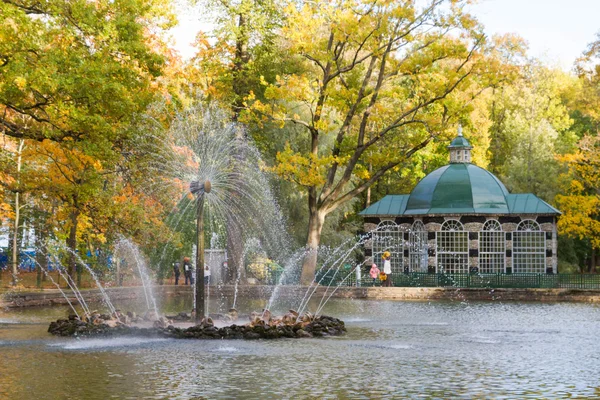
pixel 461 218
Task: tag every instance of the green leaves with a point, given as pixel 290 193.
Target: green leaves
pixel 77 70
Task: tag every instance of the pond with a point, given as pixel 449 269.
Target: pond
pixel 392 349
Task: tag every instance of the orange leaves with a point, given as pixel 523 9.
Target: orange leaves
pixel 6 211
pixel 65 166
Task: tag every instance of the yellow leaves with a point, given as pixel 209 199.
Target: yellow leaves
pixel 362 173
pixel 20 82
pixel 581 206
pixel 306 170
pixel 579 219
pixel 576 187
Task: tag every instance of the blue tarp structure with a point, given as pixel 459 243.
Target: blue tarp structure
pixel 26 260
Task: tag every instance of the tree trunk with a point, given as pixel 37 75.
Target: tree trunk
pixel 15 249
pixel 309 264
pixel 369 188
pixel 235 245
pixel 40 252
pixel 72 244
pixel 240 87
pixel 15 245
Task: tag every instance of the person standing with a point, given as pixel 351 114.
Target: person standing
pixel 206 274
pixel 387 268
pixel 176 272
pixel 374 273
pixel 187 271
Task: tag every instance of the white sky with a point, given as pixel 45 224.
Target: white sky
pixel 557 31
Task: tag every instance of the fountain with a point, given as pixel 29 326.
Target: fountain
pixel 294 324
pixel 226 192
pixel 200 189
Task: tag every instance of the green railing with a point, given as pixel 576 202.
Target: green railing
pixel 475 280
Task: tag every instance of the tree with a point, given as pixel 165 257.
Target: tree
pixel 580 202
pixel 75 76
pixel 77 70
pixel 379 82
pixel 530 125
pixel 231 67
pixel 17 180
pixel 581 206
pixel 586 102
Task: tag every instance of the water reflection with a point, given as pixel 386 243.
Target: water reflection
pixel 392 349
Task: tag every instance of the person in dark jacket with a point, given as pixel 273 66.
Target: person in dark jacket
pixel 187 271
pixel 176 271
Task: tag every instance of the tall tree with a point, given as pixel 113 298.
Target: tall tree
pixel 379 83
pixel 74 78
pixel 530 124
pixel 78 70
pixel 581 204
pixel 587 98
pixel 229 67
pixel 580 201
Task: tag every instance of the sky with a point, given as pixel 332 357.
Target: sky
pixel 557 31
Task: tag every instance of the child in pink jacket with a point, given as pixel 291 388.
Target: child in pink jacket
pixel 374 273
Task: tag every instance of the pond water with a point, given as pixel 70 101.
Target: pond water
pixel 392 350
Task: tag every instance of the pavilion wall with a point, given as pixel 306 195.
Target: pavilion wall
pixel 472 224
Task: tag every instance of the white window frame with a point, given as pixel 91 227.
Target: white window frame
pixel 492 248
pixel 529 248
pixel 418 247
pixel 452 248
pixel 388 236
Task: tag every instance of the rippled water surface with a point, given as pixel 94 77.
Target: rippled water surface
pixel 392 350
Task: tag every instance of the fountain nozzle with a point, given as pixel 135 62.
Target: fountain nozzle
pixel 200 188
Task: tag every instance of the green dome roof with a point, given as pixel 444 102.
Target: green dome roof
pixel 459 141
pixel 458 188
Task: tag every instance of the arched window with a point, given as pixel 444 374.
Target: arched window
pixel 492 248
pixel 452 248
pixel 417 247
pixel 388 237
pixel 529 248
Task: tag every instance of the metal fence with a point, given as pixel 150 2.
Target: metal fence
pixel 473 280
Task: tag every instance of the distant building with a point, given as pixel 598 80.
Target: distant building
pixel 459 219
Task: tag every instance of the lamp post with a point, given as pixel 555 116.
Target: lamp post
pixel 200 189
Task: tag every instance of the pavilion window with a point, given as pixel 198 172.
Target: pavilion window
pixel 417 247
pixel 529 248
pixel 452 250
pixel 492 248
pixel 388 237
